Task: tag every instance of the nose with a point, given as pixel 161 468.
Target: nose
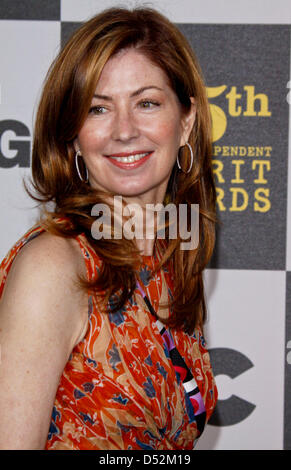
pixel 124 126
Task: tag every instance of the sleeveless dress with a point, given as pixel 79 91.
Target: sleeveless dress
pixel 120 388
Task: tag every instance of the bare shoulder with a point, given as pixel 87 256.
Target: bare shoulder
pixel 58 253
pixel 43 282
pixel 43 315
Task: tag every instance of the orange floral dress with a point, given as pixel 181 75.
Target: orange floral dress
pixel 120 388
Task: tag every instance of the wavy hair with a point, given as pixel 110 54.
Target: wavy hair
pixel 64 104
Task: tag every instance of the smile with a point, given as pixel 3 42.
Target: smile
pixel 129 161
pixel 131 158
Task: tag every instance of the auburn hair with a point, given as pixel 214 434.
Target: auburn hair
pixel 64 104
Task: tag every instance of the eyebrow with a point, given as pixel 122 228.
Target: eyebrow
pixel 135 93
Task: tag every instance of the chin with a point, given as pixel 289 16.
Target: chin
pixel 131 192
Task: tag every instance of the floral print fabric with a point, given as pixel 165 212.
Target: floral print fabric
pixel 119 389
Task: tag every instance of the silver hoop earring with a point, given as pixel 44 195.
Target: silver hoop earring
pixel 192 158
pixel 78 153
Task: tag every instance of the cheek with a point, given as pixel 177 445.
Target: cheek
pixel 166 132
pixel 91 137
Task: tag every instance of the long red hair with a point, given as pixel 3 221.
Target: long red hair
pixel 66 98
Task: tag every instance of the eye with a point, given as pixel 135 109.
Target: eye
pixel 97 110
pixel 148 104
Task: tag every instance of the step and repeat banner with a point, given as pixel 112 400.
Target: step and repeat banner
pixel 244 50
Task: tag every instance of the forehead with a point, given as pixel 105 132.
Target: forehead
pixel 130 69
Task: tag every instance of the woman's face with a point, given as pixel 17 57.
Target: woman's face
pixel 131 136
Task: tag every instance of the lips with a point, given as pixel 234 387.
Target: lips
pixel 130 160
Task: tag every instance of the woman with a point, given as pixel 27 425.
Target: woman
pixel 101 339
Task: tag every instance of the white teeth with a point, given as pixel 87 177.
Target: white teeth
pixel 130 158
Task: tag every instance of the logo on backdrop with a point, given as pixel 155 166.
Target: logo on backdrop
pixel 246 81
pixel 235 409
pixel 255 158
pixel 14 149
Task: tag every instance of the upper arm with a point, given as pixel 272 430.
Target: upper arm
pixel 42 316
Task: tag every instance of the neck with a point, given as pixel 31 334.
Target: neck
pixel 146 219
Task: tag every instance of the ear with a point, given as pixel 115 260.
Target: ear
pixel 76 144
pixel 187 122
